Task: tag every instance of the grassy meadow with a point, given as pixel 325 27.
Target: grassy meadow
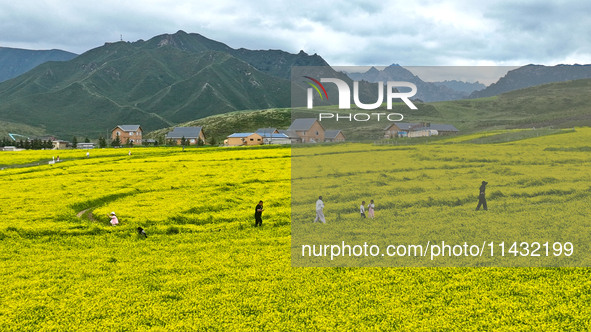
pixel 537 192
pixel 205 267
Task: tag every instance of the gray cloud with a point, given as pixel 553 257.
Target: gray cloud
pixel 350 32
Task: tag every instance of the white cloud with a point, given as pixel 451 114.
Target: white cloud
pixel 422 32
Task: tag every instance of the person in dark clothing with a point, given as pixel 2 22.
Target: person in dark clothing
pixel 258 214
pixel 482 197
pixel 142 232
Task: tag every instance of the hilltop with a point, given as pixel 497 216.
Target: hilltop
pixel 169 79
pixel 17 61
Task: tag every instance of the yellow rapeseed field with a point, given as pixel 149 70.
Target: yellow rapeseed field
pixel 204 266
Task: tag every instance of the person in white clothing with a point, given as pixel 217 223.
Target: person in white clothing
pixel 362 209
pixel 319 212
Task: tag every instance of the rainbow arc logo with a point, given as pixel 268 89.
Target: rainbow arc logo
pixel 316 87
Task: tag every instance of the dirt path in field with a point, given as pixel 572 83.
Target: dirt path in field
pixel 79 214
pixel 83 212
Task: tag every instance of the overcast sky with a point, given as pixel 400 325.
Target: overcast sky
pixel 342 32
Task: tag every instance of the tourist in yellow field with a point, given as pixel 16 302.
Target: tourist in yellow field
pixel 258 214
pixel 370 209
pixel 319 212
pixel 482 197
pixel 362 209
pixel 114 220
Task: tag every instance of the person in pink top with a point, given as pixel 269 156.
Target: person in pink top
pixel 370 209
pixel 114 220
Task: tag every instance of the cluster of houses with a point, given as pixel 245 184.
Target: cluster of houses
pixel 305 130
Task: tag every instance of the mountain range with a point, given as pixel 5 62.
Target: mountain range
pixel 426 91
pixel 556 105
pixel 169 79
pixel 16 61
pixel 465 87
pixel 181 77
pixel 532 75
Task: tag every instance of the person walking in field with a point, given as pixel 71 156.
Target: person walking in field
pixel 362 209
pixel 114 220
pixel 319 210
pixel 258 214
pixel 482 197
pixel 370 209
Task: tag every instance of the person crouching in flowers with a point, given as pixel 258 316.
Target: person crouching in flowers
pixel 114 220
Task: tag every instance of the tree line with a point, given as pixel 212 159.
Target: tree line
pixel 39 144
pixel 32 144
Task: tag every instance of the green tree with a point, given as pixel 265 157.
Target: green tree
pixel 129 142
pixel 74 142
pixel 86 140
pixel 183 141
pixel 200 142
pixel 212 141
pixel 116 142
pixel 102 142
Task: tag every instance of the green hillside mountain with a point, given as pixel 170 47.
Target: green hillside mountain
pixel 221 125
pixel 273 62
pixel 533 75
pixel 16 61
pixel 557 105
pixel 166 80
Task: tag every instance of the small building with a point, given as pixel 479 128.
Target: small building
pixel 267 132
pixel 399 129
pixel 149 141
pixel 128 134
pixel 11 148
pixel 420 129
pixel 443 129
pixel 239 139
pixel 334 136
pixel 423 133
pixel 192 135
pixel 276 139
pixel 85 145
pixel 308 130
pixel 58 144
pixel 291 135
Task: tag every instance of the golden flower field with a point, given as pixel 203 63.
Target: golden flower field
pixel 205 267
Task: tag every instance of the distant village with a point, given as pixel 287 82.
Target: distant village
pixel 305 130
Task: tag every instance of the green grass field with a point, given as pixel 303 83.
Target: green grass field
pixel 205 267
pixel 428 193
